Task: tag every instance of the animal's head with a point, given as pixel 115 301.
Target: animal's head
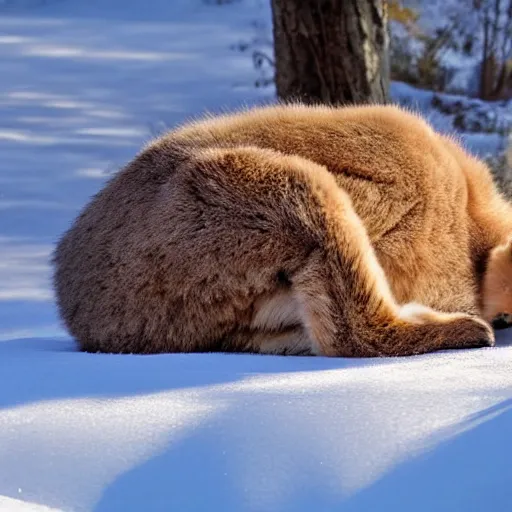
pixel 497 287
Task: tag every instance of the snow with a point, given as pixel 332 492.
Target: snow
pixel 84 84
pixel 241 432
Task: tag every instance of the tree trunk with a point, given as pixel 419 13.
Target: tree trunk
pixel 331 51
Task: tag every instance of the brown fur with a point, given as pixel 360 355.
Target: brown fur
pixel 289 229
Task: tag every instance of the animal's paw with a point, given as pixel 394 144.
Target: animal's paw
pixel 441 331
pixel 465 331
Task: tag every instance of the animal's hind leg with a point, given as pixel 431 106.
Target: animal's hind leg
pixel 344 302
pixel 346 322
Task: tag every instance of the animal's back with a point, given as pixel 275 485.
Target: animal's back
pixel 401 176
pixel 383 156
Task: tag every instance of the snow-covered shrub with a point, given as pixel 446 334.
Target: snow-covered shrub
pixel 417 47
pixel 473 115
pixel 462 46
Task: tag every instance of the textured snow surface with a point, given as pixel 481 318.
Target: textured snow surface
pixel 238 432
pixel 84 84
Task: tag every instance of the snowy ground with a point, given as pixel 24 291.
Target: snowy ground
pixel 84 84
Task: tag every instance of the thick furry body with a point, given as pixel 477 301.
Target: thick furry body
pixel 288 229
